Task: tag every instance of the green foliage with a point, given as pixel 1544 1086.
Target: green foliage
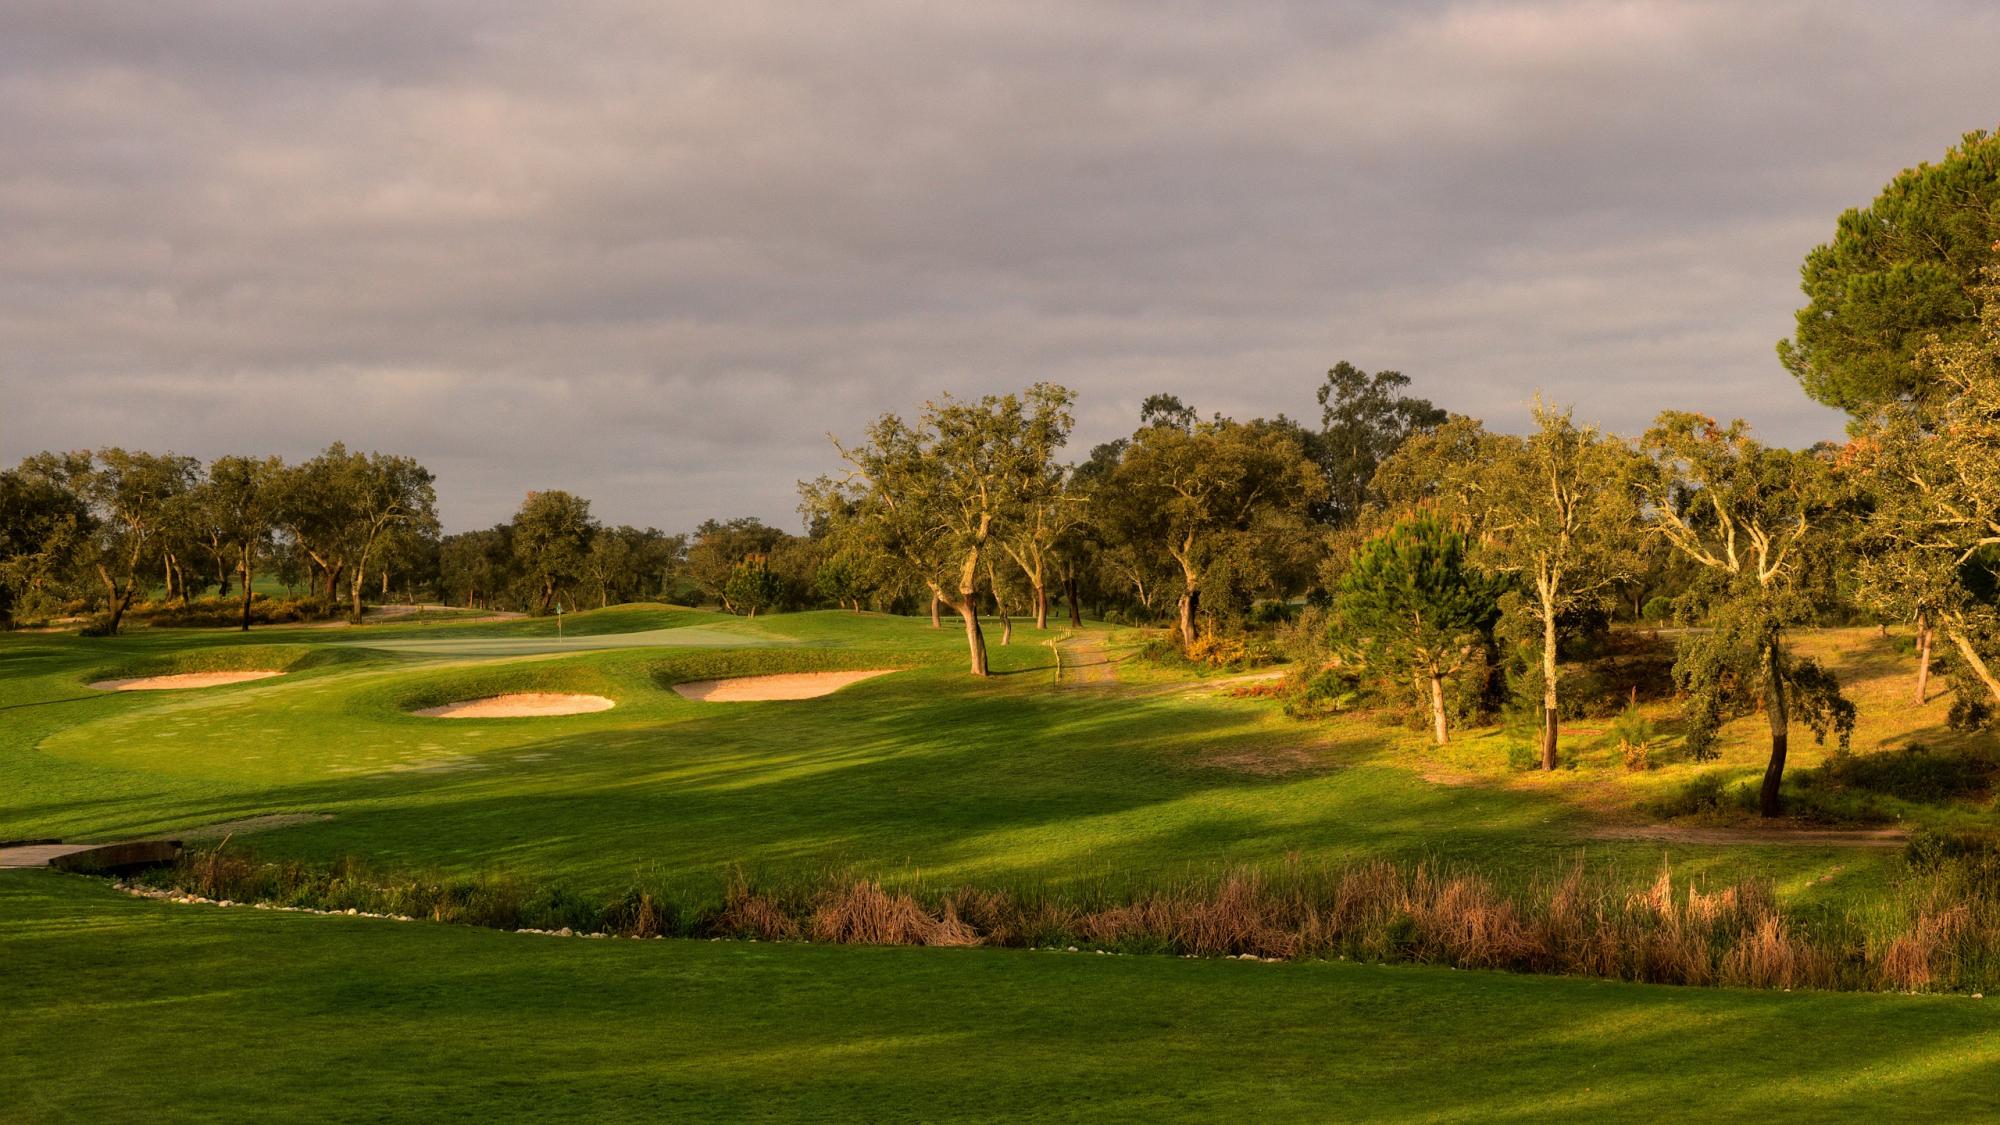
pixel 1897 273
pixel 552 539
pixel 1765 526
pixel 1414 610
pixel 1701 795
pixel 1363 420
pixel 45 533
pixel 1217 514
pixel 752 587
pixel 1913 773
pixel 1658 610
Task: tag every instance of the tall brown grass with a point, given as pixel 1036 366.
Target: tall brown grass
pixel 1940 930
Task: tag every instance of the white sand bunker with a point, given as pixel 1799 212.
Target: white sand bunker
pixel 523 705
pixel 759 689
pixel 183 680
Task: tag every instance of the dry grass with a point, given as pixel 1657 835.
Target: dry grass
pixel 1939 932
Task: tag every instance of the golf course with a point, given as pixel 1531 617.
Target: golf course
pixel 1076 771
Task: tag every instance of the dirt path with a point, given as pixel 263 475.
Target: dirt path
pixel 1087 662
pixel 1809 837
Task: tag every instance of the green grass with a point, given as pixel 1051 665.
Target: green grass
pixel 126 1010
pixel 923 774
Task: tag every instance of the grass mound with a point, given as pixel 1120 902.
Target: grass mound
pixel 280 658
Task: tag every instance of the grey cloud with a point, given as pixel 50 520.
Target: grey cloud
pixel 654 252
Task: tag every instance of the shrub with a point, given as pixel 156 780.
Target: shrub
pixel 1632 734
pixel 1702 794
pixel 1930 849
pixel 1914 773
pixel 1657 610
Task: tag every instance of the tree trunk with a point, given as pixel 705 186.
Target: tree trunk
pixel 1972 661
pixel 935 601
pixel 1070 587
pixel 1438 731
pixel 1006 625
pixel 246 587
pixel 116 608
pixel 360 576
pixel 1768 801
pixel 975 641
pixel 1924 636
pixel 1188 604
pixel 1549 701
pixel 1041 607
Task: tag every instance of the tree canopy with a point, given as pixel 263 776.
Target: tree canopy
pixel 1897 272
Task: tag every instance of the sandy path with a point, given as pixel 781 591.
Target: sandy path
pixel 523 705
pixel 762 689
pixel 183 680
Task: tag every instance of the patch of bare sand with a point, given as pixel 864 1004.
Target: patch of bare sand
pixel 763 689
pixel 182 680
pixel 1820 837
pixel 522 705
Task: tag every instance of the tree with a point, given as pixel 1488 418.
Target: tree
pixel 1554 511
pixel 46 531
pixel 1413 606
pixel 1363 419
pixel 552 538
pixel 1223 497
pixel 1934 463
pixel 753 586
pixel 339 506
pixel 131 495
pixel 239 501
pixel 838 580
pixel 630 564
pixel 1898 272
pixel 476 567
pixel 1759 522
pixel 1048 508
pixel 721 546
pixel 935 496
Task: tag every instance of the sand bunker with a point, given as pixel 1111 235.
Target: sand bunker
pixel 183 680
pixel 523 705
pixel 759 689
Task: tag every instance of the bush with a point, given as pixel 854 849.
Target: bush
pixel 1632 734
pixel 1930 849
pixel 1702 794
pixel 1273 613
pixel 1658 609
pixel 1914 773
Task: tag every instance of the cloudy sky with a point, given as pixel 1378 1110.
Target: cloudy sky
pixel 654 252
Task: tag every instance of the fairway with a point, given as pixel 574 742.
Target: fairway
pixel 923 775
